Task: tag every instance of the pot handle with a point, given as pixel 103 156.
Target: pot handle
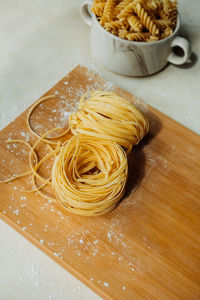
pixel 181 51
pixel 85 11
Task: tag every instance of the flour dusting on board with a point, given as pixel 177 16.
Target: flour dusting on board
pixel 51 227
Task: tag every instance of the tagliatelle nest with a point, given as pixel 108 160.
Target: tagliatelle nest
pixel 90 169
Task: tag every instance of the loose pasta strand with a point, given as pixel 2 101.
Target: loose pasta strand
pixel 47 140
pixel 31 151
pixel 89 173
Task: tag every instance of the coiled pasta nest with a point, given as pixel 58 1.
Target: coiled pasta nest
pixel 89 175
pixel 108 116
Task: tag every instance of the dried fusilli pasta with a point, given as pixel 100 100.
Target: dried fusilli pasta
pixel 146 20
pixel 98 9
pixel 138 36
pixel 127 11
pixel 122 33
pixel 114 26
pixel 161 24
pixel 151 5
pixel 119 7
pixel 137 20
pixel 152 38
pixel 167 32
pixel 135 23
pixel 166 5
pixel 173 15
pixel 108 11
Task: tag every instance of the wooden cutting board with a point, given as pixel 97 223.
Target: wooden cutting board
pixel 149 246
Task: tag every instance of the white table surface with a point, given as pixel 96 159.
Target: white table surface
pixel 40 41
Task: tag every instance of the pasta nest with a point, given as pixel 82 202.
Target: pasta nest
pixel 90 169
pixel 110 117
pixel 89 175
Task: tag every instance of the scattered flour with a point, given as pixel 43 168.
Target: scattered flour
pixel 82 238
pixel 106 284
pixel 16 212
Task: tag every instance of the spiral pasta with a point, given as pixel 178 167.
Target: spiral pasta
pixel 166 5
pixel 108 116
pixel 167 32
pixel 98 9
pixel 151 5
pixel 114 26
pixel 146 20
pixel 138 36
pixel 108 11
pixel 162 14
pixel 121 5
pixel 127 11
pixel 125 18
pixel 161 24
pixel 173 15
pixel 122 33
pixel 134 23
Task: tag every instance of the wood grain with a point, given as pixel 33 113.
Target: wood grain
pixel 149 246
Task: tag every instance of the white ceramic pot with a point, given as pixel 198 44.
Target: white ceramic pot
pixel 132 58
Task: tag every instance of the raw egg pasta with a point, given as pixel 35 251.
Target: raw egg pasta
pixel 44 138
pixel 108 116
pixel 90 169
pixel 89 175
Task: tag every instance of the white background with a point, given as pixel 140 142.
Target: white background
pixel 40 41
